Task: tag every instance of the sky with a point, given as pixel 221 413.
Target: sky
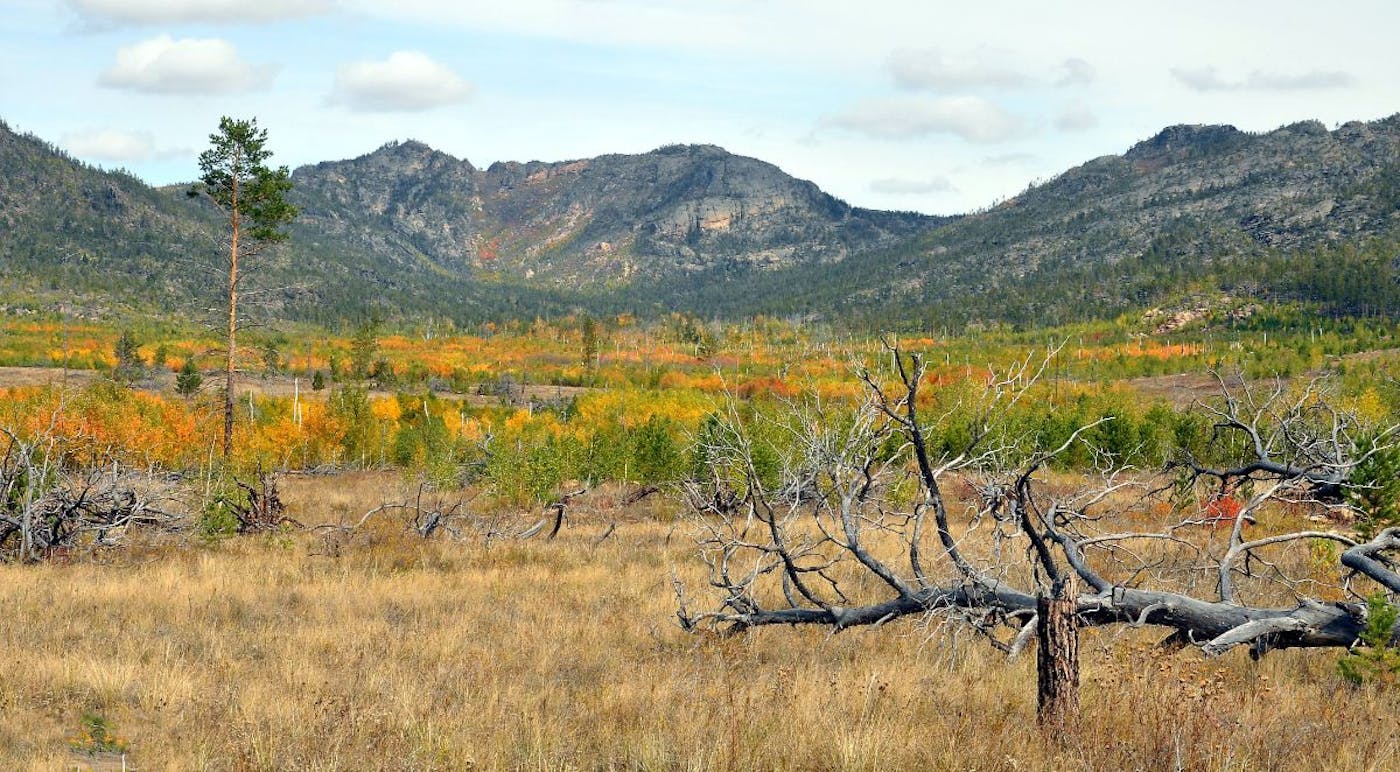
pixel 925 105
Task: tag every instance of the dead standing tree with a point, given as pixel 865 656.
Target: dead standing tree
pixel 857 525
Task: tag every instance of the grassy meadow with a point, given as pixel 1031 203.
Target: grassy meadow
pixel 390 652
pixel 317 649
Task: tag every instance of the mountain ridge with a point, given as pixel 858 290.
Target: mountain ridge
pixel 410 229
pixel 1183 203
pixel 676 208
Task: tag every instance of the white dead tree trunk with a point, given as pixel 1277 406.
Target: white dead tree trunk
pixel 863 522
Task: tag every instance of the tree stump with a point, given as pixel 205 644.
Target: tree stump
pixel 1057 656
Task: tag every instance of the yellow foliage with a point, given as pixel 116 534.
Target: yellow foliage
pixel 386 409
pixel 1368 406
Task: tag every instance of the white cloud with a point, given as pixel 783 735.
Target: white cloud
pixel 1209 79
pixel 689 24
pixel 116 146
pixel 163 65
pixel 1009 159
pixel 1203 79
pixel 1308 81
pixel 1076 72
pixel 971 118
pixel 897 186
pixel 1076 117
pixel 407 81
pixel 186 11
pixel 929 69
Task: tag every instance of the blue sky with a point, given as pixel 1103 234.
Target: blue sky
pixel 933 106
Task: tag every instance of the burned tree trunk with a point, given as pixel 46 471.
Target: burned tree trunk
pixel 1057 657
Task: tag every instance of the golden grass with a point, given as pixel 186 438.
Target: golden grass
pixel 270 653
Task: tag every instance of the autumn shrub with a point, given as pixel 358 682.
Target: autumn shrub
pixel 97 735
pixel 530 468
pixel 608 453
pixel 359 434
pixel 423 443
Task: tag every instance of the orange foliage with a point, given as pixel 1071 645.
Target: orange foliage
pixel 765 386
pixel 1223 511
pixel 1151 349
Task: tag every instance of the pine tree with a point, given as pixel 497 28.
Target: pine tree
pixel 189 379
pixel 130 366
pixel 234 175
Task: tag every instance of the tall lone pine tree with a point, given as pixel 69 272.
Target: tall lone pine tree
pixel 234 175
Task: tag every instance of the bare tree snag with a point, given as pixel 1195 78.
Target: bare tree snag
pixel 558 508
pixel 991 541
pixel 264 510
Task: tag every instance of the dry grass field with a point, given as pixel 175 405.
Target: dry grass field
pixel 388 652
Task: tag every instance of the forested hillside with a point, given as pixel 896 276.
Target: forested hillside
pixel 103 242
pixel 1299 213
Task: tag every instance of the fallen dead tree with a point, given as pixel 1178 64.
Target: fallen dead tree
pixel 860 526
pixel 260 508
pixel 46 509
pixel 428 513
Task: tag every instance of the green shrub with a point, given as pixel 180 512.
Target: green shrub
pixel 1379 661
pixel 97 736
pixel 217 517
pixel 1374 491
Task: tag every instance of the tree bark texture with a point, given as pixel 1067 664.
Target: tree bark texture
pixel 1057 658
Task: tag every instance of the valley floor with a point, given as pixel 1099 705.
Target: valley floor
pixel 383 651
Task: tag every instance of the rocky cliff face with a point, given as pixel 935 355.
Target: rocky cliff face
pixel 593 221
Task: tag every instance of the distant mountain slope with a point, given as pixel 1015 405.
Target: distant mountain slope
pixel 609 219
pixel 66 226
pixel 1116 232
pixel 103 243
pixel 410 231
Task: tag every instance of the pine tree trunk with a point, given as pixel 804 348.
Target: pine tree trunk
pixel 1057 658
pixel 232 321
